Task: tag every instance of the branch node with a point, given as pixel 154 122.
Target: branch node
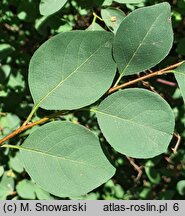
pixel 136 167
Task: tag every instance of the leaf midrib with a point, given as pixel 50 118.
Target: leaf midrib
pixel 144 38
pixel 128 120
pixel 72 73
pixel 37 151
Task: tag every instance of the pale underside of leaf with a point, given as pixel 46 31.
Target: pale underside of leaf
pixel 131 121
pixel 136 122
pixel 48 7
pixel 141 42
pixel 76 75
pixel 65 159
pixel 47 154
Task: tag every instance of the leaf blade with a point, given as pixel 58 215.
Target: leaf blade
pixel 130 122
pixel 48 7
pixel 72 64
pixel 112 18
pixel 142 43
pixel 72 153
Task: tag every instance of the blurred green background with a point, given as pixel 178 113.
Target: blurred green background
pixel 22 30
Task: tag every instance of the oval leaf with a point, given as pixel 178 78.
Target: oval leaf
pixel 143 39
pixel 180 77
pixel 112 18
pixel 48 7
pixel 65 159
pixel 136 122
pixel 26 189
pixel 72 70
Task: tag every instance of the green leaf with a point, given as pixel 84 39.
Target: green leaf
pixel 180 77
pixel 42 194
pixel 143 39
pixel 26 189
pixel 65 159
pixel 10 121
pixel 6 186
pixel 119 192
pixel 152 173
pixel 72 70
pixel 94 27
pixel 112 18
pixel 4 73
pixel 16 81
pixel 15 163
pixel 48 7
pixel 107 3
pixel 136 122
pixel 181 187
pixel 145 193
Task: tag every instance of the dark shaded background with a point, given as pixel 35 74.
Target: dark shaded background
pixel 22 31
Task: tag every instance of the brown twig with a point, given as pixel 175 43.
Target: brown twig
pixel 166 82
pixel 168 159
pixel 111 90
pixel 157 73
pixel 3 114
pixel 136 167
pixel 29 125
pixel 177 143
pixel 11 28
pixel 148 85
